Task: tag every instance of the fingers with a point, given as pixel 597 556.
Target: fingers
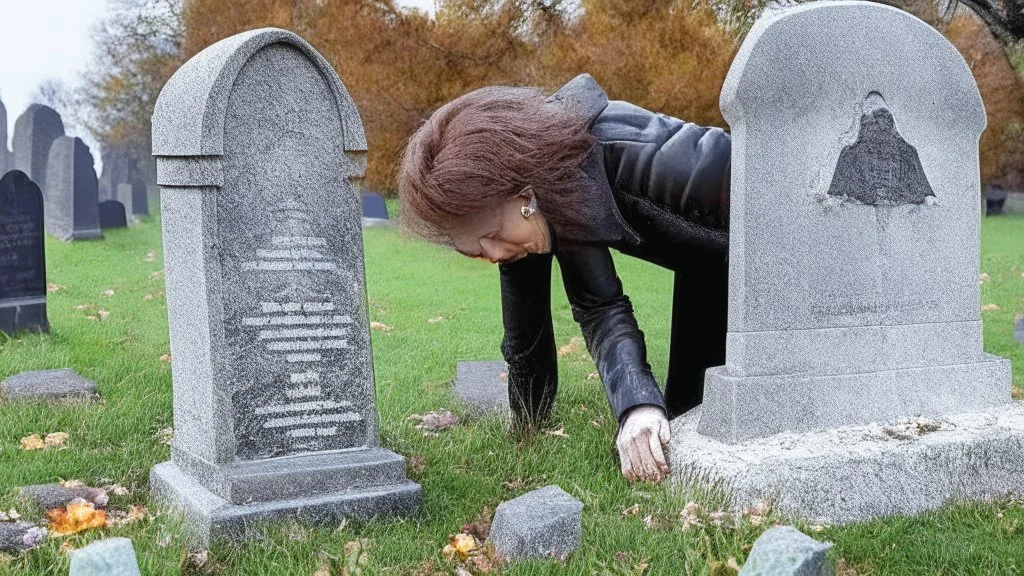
pixel 624 462
pixel 643 445
pixel 665 432
pixel 658 453
pixel 636 460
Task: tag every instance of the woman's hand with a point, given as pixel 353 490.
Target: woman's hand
pixel 640 441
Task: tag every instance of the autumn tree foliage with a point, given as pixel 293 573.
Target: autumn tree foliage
pixel 400 65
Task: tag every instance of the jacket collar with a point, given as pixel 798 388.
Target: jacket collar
pixel 605 223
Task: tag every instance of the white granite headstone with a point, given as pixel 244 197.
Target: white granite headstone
pixel 854 234
pixel 257 142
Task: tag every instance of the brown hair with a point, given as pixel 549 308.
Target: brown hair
pixel 483 148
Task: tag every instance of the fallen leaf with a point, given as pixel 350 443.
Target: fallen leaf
pixel 433 422
pixel 513 485
pixel 355 557
pixel 33 442
pixel 435 319
pixel 150 256
pixel 6 559
pixel 560 432
pixel 460 571
pixel 480 564
pixel 731 563
pixel 989 307
pixel 195 561
pixel 690 515
pixel 72 484
pixel 116 489
pixel 66 547
pixel 83 306
pixel 593 376
pixel 815 528
pixel 416 463
pixel 13 515
pixel 641 567
pixel 323 570
pixel 631 511
pixel 77 516
pixel 155 275
pixel 719 518
pixel 102 313
pixel 503 376
pixel 165 435
pixel 571 347
pixel 51 287
pixel 983 277
pixel 107 293
pixel 56 439
pixel 460 544
pixel 147 297
pixel 117 518
pixel 381 327
pixel 165 358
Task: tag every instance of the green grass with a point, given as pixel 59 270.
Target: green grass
pixel 465 470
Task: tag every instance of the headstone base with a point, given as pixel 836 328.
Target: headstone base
pixel 738 409
pixel 213 517
pixel 853 474
pixel 371 222
pixel 16 316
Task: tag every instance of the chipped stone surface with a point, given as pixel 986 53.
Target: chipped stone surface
pixel 51 496
pixel 786 551
pixel 857 473
pixel 257 143
pixel 483 386
pixel 18 537
pixel 108 557
pixel 544 523
pixel 849 306
pixel 61 384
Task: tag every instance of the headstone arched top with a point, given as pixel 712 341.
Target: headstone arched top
pixel 190 113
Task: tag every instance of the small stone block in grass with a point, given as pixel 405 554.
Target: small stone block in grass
pixel 62 384
pixel 540 524
pixel 109 557
pixel 786 551
pixel 483 386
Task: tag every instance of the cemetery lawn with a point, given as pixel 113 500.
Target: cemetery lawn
pixel 441 308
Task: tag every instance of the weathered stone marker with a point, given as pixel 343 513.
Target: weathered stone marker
pixel 854 260
pixel 22 257
pixel 256 142
pixel 72 194
pixel 34 133
pixel 135 198
pixel 6 159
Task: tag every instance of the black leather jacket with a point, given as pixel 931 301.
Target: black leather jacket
pixel 655 187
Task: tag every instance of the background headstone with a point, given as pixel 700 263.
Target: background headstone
pixel 135 197
pixel 34 133
pixel 118 168
pixel 544 523
pixel 59 384
pixel 483 385
pixel 112 214
pixel 22 255
pixel 375 211
pixel 855 384
pixel 854 239
pixel 72 202
pixel 6 159
pixel 256 141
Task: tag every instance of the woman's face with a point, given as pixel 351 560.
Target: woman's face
pixel 504 235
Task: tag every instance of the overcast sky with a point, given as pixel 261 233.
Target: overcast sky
pixel 43 39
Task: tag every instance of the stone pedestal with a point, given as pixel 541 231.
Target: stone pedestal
pixel 257 142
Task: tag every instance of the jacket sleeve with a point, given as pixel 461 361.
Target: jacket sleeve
pixel 529 342
pixel 605 315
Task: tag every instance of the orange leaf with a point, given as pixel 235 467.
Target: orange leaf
pixel 77 516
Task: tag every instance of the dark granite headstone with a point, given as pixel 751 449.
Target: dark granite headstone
pixel 257 143
pixel 72 202
pixel 374 206
pixel 112 214
pixel 22 259
pixel 60 384
pixel 34 134
pixel 995 199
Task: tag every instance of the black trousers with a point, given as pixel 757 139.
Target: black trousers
pixel 699 311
